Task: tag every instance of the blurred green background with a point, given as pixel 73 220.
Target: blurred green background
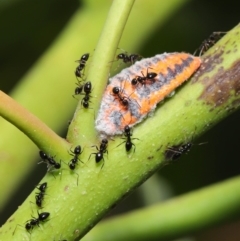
pixel 27 30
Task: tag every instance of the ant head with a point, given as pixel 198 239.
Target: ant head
pixel 134 81
pixel 78 90
pixel 121 56
pixel 28 226
pixel 104 141
pixel 85 57
pixel 43 155
pixel 127 129
pixel 42 187
pixel 116 90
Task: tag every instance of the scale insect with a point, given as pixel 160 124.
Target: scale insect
pixel 168 71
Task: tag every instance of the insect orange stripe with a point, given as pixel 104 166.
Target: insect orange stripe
pixel 171 70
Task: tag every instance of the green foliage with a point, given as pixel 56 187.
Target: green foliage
pixel 193 110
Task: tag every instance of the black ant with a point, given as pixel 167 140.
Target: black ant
pixel 30 224
pixel 39 196
pixel 124 100
pixel 209 42
pixel 83 59
pixel 42 187
pixel 174 152
pixel 119 93
pixel 36 221
pixel 101 150
pixel 142 79
pixel 131 58
pixel 82 62
pixel 73 162
pixel 78 71
pixel 128 139
pixel 39 199
pixel 51 163
pixel 78 89
pixel 177 151
pixel 81 66
pixel 76 153
pixel 87 88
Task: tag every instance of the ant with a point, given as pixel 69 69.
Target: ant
pixel 78 71
pixel 42 187
pixel 78 89
pixel 39 199
pixel 118 92
pixel 73 162
pixel 30 224
pixel 82 62
pixel 124 100
pixel 87 88
pixel 209 42
pixel 131 58
pixel 39 196
pixel 128 140
pixel 51 163
pixel 101 150
pixel 76 153
pixel 36 221
pixel 142 79
pixel 177 151
pixel 83 59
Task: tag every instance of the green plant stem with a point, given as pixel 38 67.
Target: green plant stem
pixel 30 125
pixel 47 88
pixel 100 69
pixel 119 12
pixel 194 108
pixel 176 218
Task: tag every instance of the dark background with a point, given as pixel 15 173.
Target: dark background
pixel 195 21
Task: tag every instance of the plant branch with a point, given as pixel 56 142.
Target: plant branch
pixel 176 218
pixel 75 209
pixel 52 76
pixel 83 123
pixel 30 125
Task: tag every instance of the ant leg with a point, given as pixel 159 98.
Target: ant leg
pixel 103 163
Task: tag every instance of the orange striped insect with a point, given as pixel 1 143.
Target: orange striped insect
pixel 170 70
